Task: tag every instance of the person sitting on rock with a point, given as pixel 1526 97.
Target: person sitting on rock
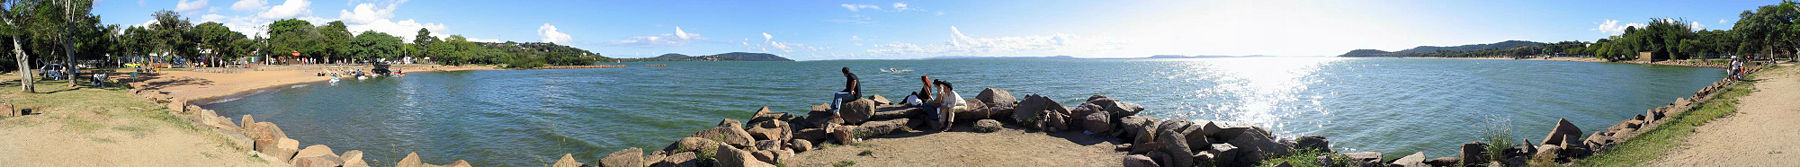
pixel 947 103
pixel 852 91
pixel 924 94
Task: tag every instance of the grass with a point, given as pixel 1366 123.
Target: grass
pixel 1305 158
pixel 844 163
pixel 1663 138
pixel 1498 135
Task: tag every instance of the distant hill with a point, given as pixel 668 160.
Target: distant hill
pixel 1002 57
pixel 1421 50
pixel 733 56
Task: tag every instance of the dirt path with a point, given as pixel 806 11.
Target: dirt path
pixel 1009 147
pixel 1765 131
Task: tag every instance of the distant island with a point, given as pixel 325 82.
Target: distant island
pixel 1424 51
pixel 733 56
pixel 1198 56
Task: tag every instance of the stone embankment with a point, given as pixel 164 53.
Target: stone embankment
pixel 767 138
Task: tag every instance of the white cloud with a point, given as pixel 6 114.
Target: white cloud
pixel 900 6
pixel 379 18
pixel 489 40
pixel 1696 26
pixel 1723 21
pixel 788 47
pixel 961 44
pixel 249 4
pixel 679 38
pixel 287 10
pixel 859 7
pixel 185 6
pixel 767 37
pixel 548 33
pixel 1612 27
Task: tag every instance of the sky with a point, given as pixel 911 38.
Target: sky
pixel 890 29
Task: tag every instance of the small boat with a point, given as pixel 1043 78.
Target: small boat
pixel 893 70
pixel 334 80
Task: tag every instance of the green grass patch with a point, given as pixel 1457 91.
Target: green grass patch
pixel 1307 158
pixel 844 163
pixel 1663 138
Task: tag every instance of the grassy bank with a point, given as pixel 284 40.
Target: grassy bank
pixel 105 127
pixel 1660 140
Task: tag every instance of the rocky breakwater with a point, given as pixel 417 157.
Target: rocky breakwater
pixel 267 141
pixel 768 138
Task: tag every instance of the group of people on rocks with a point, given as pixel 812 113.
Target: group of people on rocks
pixel 941 108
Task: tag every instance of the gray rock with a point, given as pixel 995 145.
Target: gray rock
pixel 1313 142
pixel 728 132
pixel 690 144
pixel 1176 146
pixel 630 157
pixel 767 145
pixel 1445 161
pixel 771 130
pixel 683 159
pixel 732 157
pixel 354 158
pixel 1364 158
pixel 800 145
pixel 1139 160
pixel 1563 128
pixel 987 125
pixel 857 111
pixel 1033 109
pixel 1260 142
pixel 1415 160
pixel 1098 122
pixel 1474 152
pixel 567 160
pixel 1225 153
pixel 997 98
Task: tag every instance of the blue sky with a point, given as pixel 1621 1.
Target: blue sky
pixel 888 29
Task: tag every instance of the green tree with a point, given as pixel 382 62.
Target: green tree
pixel 294 35
pixel 371 44
pixel 336 39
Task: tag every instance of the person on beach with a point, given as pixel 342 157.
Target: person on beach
pixel 852 91
pixel 945 105
pixel 924 94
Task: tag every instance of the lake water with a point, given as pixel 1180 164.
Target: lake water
pixel 532 117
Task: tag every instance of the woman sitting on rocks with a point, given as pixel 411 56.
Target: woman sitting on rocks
pixel 945 106
pixel 924 94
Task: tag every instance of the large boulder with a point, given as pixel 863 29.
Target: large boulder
pixel 728 132
pixel 766 145
pixel 284 149
pixel 997 98
pixel 800 145
pixel 1119 109
pixel 1128 127
pixel 1473 152
pixel 1563 128
pixel 764 114
pixel 1363 158
pixel 1262 143
pixel 1230 130
pixel 630 157
pixel 1058 118
pixel 1098 122
pixel 1224 153
pixel 1139 160
pixel 879 100
pixel 733 157
pixel 458 163
pixel 771 130
pixel 318 161
pixel 1176 146
pixel 265 134
pixel 315 150
pixel 1313 142
pixel 354 158
pixel 856 111
pixel 1417 159
pixel 883 127
pixel 1033 109
pixel 677 160
pixel 812 134
pixel 1444 161
pixel 987 125
pixel 690 144
pixel 411 160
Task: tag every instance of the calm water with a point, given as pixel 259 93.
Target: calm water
pixel 531 117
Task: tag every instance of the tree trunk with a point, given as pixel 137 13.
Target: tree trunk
pixel 24 67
